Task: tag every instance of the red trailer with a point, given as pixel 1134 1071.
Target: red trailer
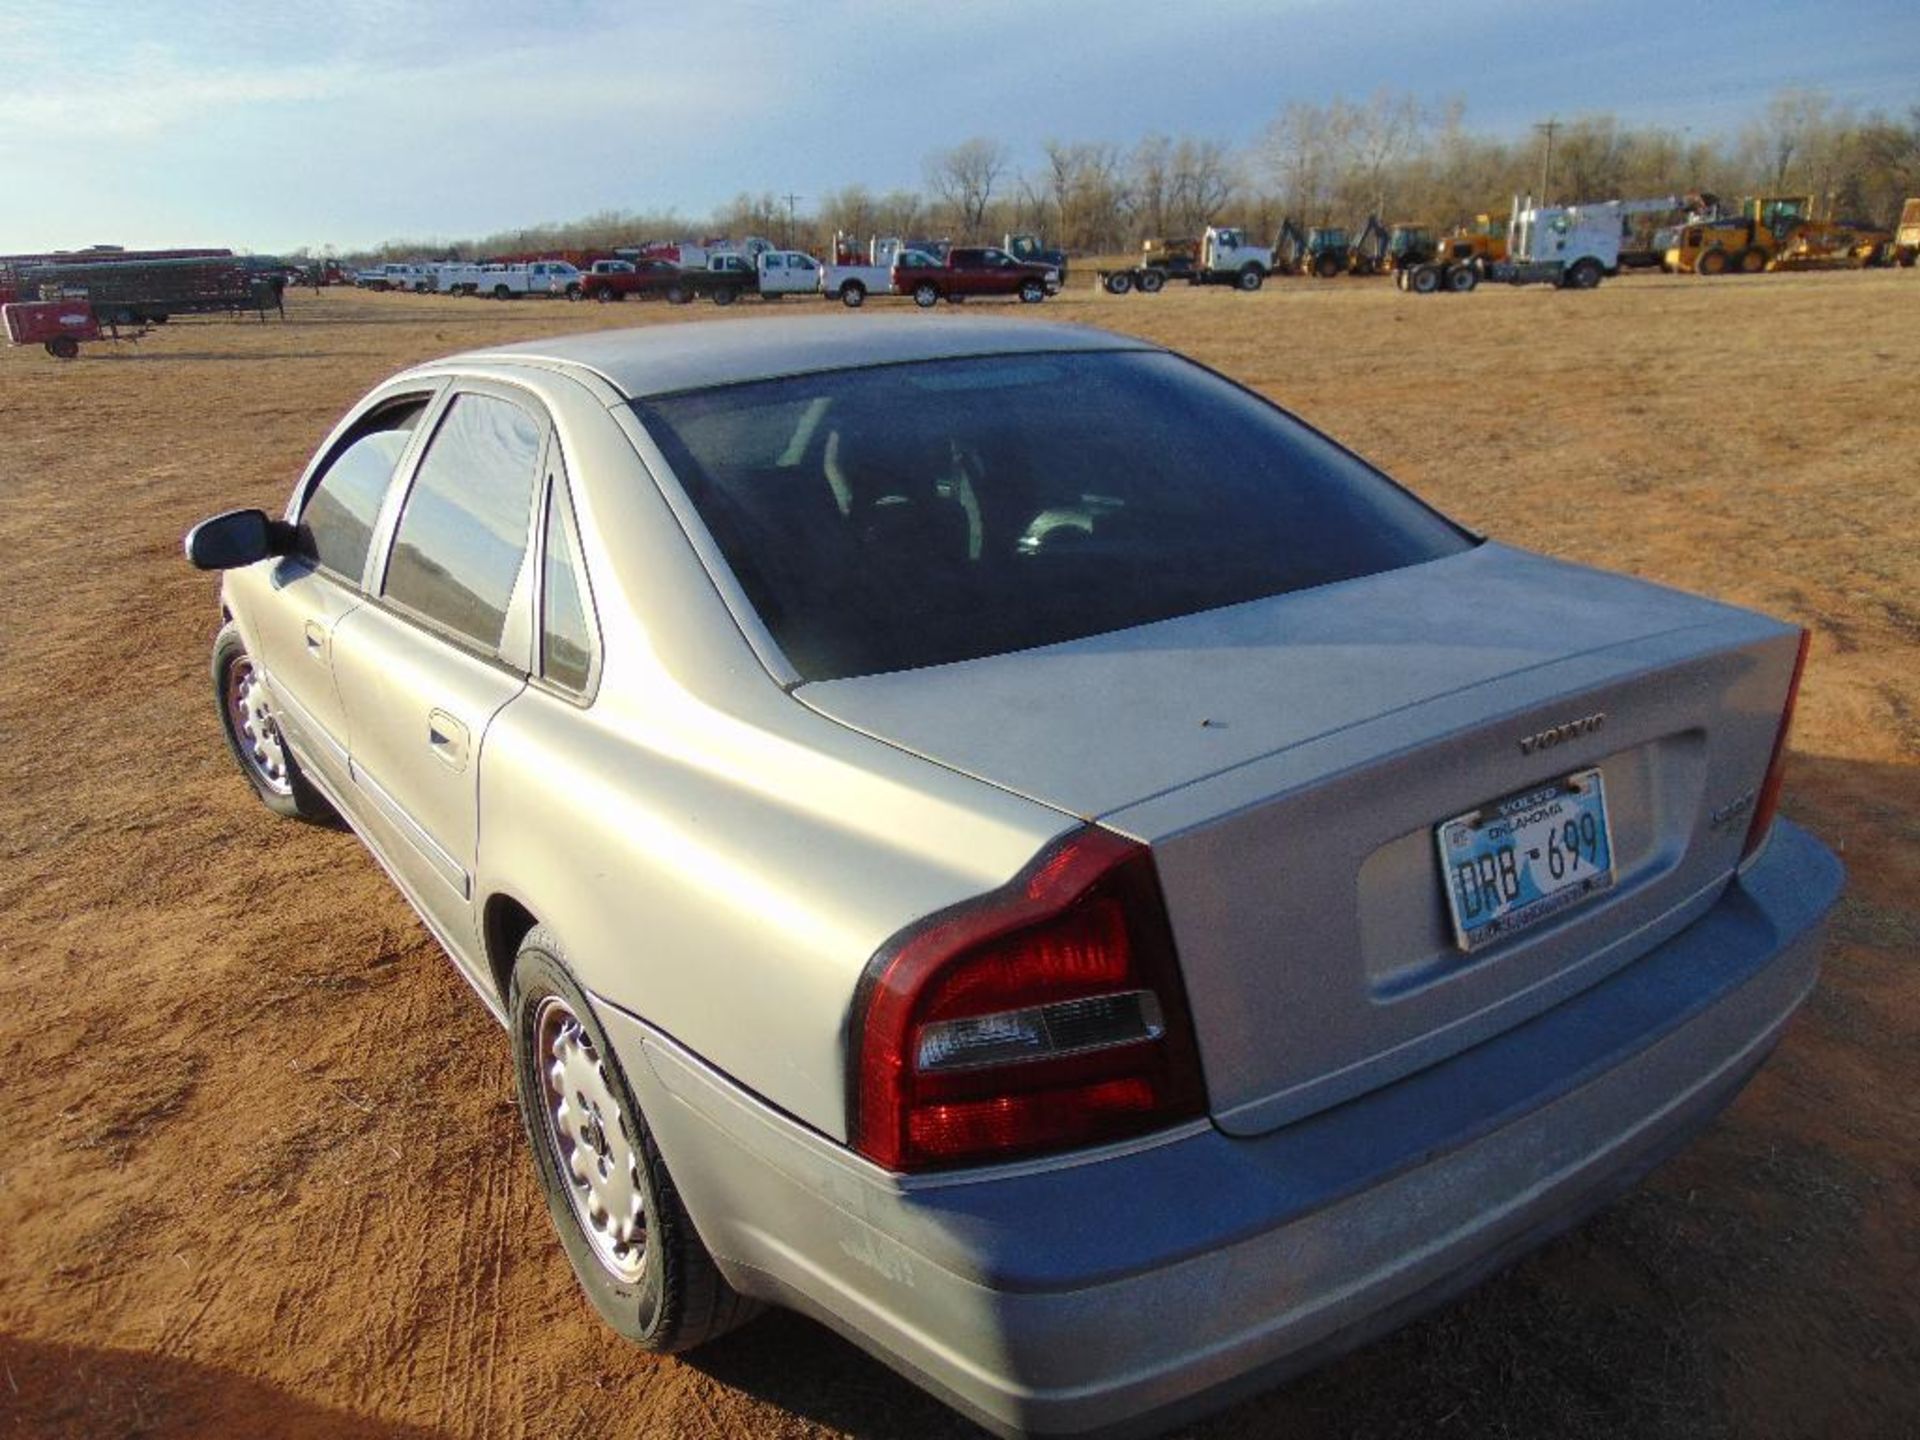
pixel 59 325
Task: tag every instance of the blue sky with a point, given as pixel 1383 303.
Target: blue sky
pixel 267 126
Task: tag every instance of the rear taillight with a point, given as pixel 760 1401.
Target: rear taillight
pixel 1044 1016
pixel 1769 801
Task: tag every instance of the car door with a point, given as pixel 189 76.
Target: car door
pixel 443 643
pixel 801 276
pixel 291 620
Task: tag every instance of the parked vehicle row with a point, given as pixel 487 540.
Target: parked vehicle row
pixel 681 274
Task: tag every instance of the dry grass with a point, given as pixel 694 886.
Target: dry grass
pixel 262 1172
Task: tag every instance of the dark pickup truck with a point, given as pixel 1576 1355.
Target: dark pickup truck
pixel 975 270
pixel 662 279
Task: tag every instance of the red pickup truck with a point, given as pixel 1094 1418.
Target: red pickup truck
pixel 975 270
pixel 662 279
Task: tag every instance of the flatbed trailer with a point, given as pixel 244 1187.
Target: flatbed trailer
pixel 150 292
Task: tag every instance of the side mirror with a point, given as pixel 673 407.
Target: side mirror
pixel 237 538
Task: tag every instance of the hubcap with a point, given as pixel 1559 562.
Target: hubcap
pixel 591 1141
pixel 254 727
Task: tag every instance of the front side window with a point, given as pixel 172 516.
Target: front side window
pixel 909 515
pixel 336 524
pixel 463 534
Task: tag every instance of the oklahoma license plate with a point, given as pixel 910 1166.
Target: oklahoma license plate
pixel 1514 862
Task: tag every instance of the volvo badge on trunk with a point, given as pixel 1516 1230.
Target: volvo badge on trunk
pixel 1559 734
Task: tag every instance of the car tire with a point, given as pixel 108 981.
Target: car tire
pixel 659 1288
pixel 1032 292
pixel 1462 279
pixel 253 735
pixel 573 292
pixel 1119 284
pixel 1752 262
pixel 63 347
pixel 926 294
pixel 1425 280
pixel 1151 282
pixel 853 294
pixel 1585 274
pixel 1249 279
pixel 501 292
pixel 1711 262
pixel 678 295
pixel 725 295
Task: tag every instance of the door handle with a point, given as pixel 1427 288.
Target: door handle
pixel 316 635
pixel 447 739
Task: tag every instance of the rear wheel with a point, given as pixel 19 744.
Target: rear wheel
pixel 1752 262
pixel 63 347
pixel 853 294
pixel 1462 278
pixel 1425 280
pixel 678 295
pixel 1151 282
pixel 1326 266
pixel 725 295
pixel 253 734
pixel 926 294
pixel 1120 283
pixel 1585 274
pixel 626 1233
pixel 501 292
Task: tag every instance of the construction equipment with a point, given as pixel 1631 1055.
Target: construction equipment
pixel 1570 247
pixel 1409 245
pixel 1481 244
pixel 1905 246
pixel 1777 232
pixel 1370 253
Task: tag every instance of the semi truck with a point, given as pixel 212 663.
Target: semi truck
pixel 1222 256
pixel 1571 247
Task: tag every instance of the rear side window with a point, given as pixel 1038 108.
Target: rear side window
pixel 462 537
pixel 336 523
pixel 566 635
pixel 909 515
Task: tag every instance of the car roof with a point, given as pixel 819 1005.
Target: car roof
pixel 666 359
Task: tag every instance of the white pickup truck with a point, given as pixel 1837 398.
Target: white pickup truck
pixel 393 276
pixel 538 277
pixel 457 277
pixel 853 283
pixel 787 272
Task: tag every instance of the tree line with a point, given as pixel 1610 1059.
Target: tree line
pixel 1392 155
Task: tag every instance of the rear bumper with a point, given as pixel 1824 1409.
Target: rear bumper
pixel 1133 1288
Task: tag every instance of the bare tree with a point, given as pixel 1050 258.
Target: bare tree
pixel 964 179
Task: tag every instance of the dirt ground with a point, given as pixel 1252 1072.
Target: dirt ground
pixel 260 1168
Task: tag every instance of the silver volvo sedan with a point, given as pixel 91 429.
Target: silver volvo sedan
pixel 983 832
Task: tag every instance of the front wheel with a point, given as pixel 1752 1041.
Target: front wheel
pixel 628 1237
pixel 1250 279
pixel 253 734
pixel 926 294
pixel 1032 292
pixel 1424 280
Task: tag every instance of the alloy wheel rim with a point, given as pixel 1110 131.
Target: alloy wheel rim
pixel 254 727
pixel 590 1140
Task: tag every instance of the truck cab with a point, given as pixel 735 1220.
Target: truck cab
pixel 1227 256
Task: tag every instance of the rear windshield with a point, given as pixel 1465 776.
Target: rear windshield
pixel 911 515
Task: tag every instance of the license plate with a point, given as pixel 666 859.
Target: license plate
pixel 1514 862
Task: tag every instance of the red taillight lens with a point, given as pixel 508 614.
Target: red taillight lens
pixel 1769 801
pixel 1044 1016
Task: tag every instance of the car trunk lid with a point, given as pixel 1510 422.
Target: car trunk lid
pixel 1290 759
